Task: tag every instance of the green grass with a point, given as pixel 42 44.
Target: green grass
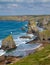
pixel 47 32
pixel 37 58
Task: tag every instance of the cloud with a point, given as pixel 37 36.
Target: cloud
pixel 25 6
pixel 13 5
pixel 0 6
pixel 26 1
pixel 6 0
pixel 19 0
pixel 42 0
pixel 5 7
pixel 29 1
pixel 45 0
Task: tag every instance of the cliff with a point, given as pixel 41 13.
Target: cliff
pixel 44 35
pixel 8 43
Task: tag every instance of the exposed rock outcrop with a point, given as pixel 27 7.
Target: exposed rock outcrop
pixel 32 27
pixel 44 35
pixel 8 43
pixel 25 37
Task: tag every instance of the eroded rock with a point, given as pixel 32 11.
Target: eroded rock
pixel 8 43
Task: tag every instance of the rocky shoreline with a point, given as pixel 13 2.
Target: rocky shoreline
pixel 13 59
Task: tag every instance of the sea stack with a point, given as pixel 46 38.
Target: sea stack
pixel 8 43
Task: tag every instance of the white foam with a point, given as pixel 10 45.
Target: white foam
pixel 31 35
pixel 19 40
pixel 2 52
pixel 40 29
pixel 26 25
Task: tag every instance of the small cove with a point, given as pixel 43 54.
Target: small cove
pixel 17 29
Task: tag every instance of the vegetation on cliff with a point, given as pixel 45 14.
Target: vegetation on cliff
pixel 45 35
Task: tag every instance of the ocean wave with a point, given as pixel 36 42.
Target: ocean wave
pixel 19 40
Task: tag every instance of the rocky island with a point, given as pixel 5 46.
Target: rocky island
pixel 8 43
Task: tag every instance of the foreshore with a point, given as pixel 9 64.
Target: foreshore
pixel 14 59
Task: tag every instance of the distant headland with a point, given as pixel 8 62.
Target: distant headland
pixel 22 18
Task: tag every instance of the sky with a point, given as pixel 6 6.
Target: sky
pixel 24 7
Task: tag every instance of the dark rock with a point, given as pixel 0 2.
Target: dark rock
pixel 8 43
pixel 36 39
pixel 49 39
pixel 25 37
pixel 7 62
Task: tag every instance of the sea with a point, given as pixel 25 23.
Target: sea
pixel 17 29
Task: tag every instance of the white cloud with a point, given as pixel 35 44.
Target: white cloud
pixel 42 0
pixel 6 0
pixel 27 1
pixel 14 5
pixel 9 6
pixel 46 0
pixel 19 0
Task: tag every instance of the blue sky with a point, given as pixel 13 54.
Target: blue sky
pixel 24 7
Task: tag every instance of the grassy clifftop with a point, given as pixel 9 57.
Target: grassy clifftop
pixel 41 57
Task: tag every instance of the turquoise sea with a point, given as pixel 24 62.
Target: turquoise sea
pixel 11 26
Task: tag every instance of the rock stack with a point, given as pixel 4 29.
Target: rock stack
pixel 8 43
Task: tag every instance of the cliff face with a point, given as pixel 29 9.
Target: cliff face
pixel 8 43
pixel 32 27
pixel 45 35
pixel 44 23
